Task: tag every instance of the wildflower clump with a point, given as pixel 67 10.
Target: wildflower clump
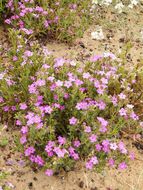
pixel 68 110
pixel 63 20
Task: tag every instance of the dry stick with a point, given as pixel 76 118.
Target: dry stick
pixel 122 181
pixel 86 179
pixel 138 180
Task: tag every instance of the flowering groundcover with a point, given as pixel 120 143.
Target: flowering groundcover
pixel 68 110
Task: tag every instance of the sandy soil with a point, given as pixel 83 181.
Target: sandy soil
pixel 118 31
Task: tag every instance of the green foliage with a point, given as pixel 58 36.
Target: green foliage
pixel 3 175
pixel 4 142
pixel 61 20
pixel 44 94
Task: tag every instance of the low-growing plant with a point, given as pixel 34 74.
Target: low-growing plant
pixel 68 110
pixel 2 8
pixel 3 175
pixel 62 20
pixel 4 142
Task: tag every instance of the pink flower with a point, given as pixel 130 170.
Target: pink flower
pixel 28 53
pixel 18 122
pixel 68 84
pixel 39 9
pixel 53 87
pixel 15 58
pixel 37 119
pixel 23 106
pixel 114 100
pixel 46 52
pixel 87 129
pixel 122 112
pixel 93 138
pixel 122 148
pixel 59 62
pixel 78 82
pixel 62 107
pixel 61 140
pixel 111 162
pixel 32 89
pixel 49 172
pixel 48 109
pixel 39 160
pixel 96 83
pixel 71 150
pixel 50 154
pixel 40 82
pixel 51 78
pixel 6 108
pixel 122 166
pixel 103 122
pixel 89 165
pixel 86 75
pixel 134 116
pixel 1 99
pixel 76 143
pixel 13 108
pixel 8 21
pixel 60 152
pixel 94 160
pixel 32 158
pixel 103 129
pixel 59 83
pixel 24 129
pixel 122 96
pixel 132 155
pixel 48 148
pixel 46 24
pixel 96 58
pixel 104 80
pixel 28 32
pixel 23 140
pixel 66 96
pixel 39 126
pixel 75 156
pixel 105 144
pixel 101 105
pixel 101 89
pixel 73 121
pixel 98 147
pixel 113 146
pixel 30 150
pixel 82 106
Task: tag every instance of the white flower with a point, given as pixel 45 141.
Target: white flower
pixel 109 54
pixel 107 2
pixel 119 7
pixel 134 2
pixel 130 106
pixel 98 34
pixel 95 2
pixel 2 75
pixel 130 6
pixel 73 63
pixel 46 51
pixel 141 33
pixel 113 146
